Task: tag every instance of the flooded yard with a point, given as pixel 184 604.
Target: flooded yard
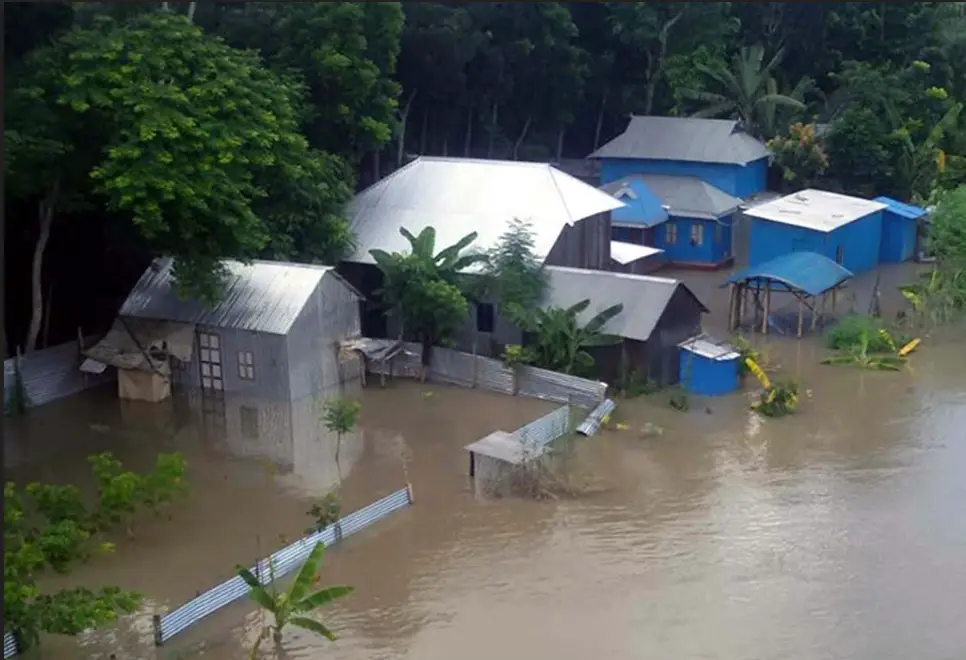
pixel 834 533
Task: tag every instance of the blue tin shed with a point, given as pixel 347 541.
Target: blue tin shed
pixel 708 368
pixel 847 230
pixel 687 218
pixel 900 231
pixel 717 151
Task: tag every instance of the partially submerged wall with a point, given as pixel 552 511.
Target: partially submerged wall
pixel 465 370
pixel 53 373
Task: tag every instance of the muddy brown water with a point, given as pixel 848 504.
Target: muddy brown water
pixel 836 533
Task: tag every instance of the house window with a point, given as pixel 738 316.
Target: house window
pixel 839 255
pixel 670 233
pixel 697 234
pixel 246 365
pixel 485 317
pixel 248 418
pixel 209 353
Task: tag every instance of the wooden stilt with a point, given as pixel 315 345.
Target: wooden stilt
pixel 801 315
pixel 819 311
pixel 732 304
pixel 767 310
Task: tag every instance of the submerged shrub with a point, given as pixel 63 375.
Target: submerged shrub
pixel 855 330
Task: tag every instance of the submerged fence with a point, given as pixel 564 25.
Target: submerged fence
pixel 52 373
pixel 280 564
pixel 466 370
pixel 541 432
pixel 10 648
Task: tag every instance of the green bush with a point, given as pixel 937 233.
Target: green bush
pixel 853 329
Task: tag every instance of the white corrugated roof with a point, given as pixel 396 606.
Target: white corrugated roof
pixel 818 210
pixel 263 296
pixel 457 196
pixel 625 253
pixel 709 349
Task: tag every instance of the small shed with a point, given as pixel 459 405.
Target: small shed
pixel 902 231
pixel 689 219
pixel 717 151
pixel 709 368
pixel 275 334
pixel 847 230
pixel 659 313
pixel 496 459
pixel 809 278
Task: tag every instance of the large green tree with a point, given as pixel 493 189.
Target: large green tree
pixel 196 142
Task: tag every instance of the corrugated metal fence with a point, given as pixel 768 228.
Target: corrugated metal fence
pixel 465 370
pixel 543 431
pixel 53 373
pixel 282 562
pixel 9 645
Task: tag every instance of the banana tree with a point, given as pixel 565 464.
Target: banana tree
pixel 921 163
pixel 858 356
pixel 561 340
pixel 426 288
pixel 294 606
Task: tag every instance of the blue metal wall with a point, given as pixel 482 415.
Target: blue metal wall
pixel 737 180
pixel 714 248
pixel 706 377
pixel 859 240
pixel 898 238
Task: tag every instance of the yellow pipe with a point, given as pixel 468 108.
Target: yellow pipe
pixel 909 348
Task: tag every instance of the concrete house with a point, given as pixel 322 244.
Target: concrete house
pixel 659 314
pixel 257 363
pixel 686 218
pixel 716 151
pixel 570 221
pixel 847 230
pixel 902 231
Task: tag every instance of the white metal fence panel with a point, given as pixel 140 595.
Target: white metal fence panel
pixel 53 373
pixel 466 370
pixel 546 429
pixel 278 565
pixel 552 386
pixel 9 645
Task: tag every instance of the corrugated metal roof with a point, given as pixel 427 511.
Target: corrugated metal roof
pixel 457 196
pixel 818 210
pixel 808 272
pixel 712 350
pixel 264 296
pixel 644 297
pixel 625 253
pixel 689 139
pixel 901 209
pixel 685 196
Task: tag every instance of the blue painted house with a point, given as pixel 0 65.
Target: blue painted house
pixel 708 368
pixel 716 151
pixel 687 218
pixel 847 230
pixel 901 231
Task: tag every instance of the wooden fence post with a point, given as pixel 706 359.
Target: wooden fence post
pixel 158 639
pixel 409 492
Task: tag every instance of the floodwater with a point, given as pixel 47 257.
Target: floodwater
pixel 838 532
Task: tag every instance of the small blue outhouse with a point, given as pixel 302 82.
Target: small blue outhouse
pixel 901 225
pixel 847 230
pixel 708 368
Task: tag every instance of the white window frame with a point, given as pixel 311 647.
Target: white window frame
pixel 697 233
pixel 670 233
pixel 210 362
pixel 246 365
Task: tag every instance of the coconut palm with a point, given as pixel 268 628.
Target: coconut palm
pixel 561 340
pixel 747 90
pixel 294 606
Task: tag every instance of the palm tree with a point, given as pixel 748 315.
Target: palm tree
pixel 560 339
pixel 748 91
pixel 293 606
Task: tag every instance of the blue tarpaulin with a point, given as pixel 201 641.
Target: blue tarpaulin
pixel 806 272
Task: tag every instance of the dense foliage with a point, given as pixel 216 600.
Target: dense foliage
pixel 52 527
pixel 239 129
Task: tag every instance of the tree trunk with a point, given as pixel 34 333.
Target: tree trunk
pixel 46 220
pixel 422 137
pixel 560 142
pixel 656 66
pixel 600 120
pixel 522 136
pixel 191 11
pixel 404 119
pixel 468 140
pixel 494 118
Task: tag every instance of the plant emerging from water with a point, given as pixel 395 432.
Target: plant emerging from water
pixel 860 355
pixel 778 400
pixel 340 416
pixel 48 526
pixel 294 606
pixel 325 512
pixel 855 330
